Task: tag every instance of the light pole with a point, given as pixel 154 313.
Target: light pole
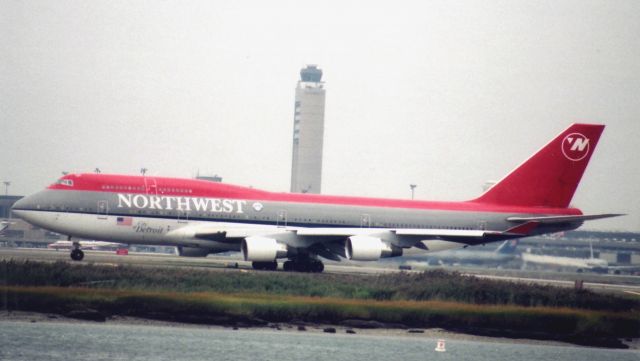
pixel 6 187
pixel 413 189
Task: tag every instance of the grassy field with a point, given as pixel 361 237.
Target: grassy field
pixel 430 299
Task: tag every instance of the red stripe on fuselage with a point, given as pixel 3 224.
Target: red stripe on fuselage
pixel 179 187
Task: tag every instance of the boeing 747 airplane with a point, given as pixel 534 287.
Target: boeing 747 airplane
pixel 201 217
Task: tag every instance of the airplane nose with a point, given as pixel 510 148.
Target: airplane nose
pixel 22 204
pixel 25 206
pixel 28 203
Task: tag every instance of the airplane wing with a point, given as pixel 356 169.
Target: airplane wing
pixel 217 233
pixel 329 242
pixel 520 230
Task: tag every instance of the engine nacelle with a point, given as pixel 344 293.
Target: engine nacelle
pixel 193 251
pixel 365 248
pixel 262 249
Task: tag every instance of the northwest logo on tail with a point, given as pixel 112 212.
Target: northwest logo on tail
pixel 575 146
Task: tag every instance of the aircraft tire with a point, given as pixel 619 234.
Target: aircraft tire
pixel 77 255
pixel 301 266
pixel 266 266
pixel 288 266
pixel 317 267
pixel 313 266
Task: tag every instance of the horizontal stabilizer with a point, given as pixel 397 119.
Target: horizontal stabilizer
pixel 562 219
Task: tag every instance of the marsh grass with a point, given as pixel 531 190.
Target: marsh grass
pixel 212 307
pixel 431 299
pixel 432 285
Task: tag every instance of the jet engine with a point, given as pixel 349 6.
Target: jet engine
pixel 262 249
pixel 366 248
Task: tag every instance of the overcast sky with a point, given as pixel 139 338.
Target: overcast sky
pixel 446 95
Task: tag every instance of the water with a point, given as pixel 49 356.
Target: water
pixel 89 342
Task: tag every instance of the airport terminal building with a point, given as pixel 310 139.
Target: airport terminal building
pixel 6 202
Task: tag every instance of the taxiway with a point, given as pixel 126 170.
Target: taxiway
pixel 629 285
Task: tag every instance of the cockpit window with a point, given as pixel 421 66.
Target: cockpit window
pixel 65 182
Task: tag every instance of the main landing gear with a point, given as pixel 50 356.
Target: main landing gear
pixel 266 266
pixel 303 265
pixel 294 265
pixel 76 252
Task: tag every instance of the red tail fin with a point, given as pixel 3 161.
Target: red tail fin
pixel 550 177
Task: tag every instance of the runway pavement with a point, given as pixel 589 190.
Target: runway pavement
pixel 629 285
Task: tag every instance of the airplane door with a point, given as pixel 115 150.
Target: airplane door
pixel 365 221
pixel 151 186
pixel 102 209
pixel 482 225
pixel 183 216
pixel 282 218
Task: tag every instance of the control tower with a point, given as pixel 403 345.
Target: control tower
pixel 308 132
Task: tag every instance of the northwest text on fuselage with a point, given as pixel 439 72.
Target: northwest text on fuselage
pixel 218 205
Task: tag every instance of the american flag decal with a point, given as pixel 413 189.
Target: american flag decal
pixel 124 221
